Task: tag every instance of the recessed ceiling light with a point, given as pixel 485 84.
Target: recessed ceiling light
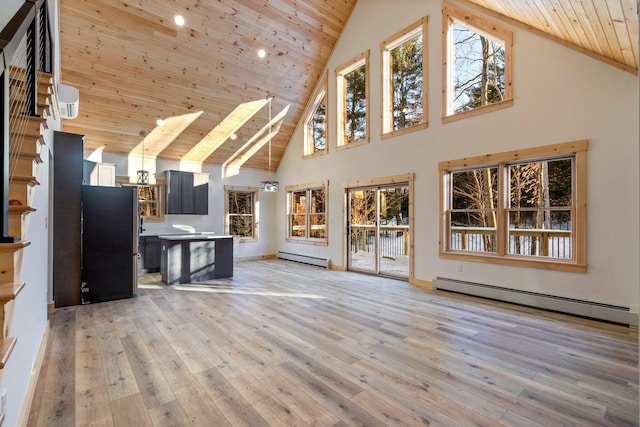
pixel 160 122
pixel 179 20
pixel 233 136
pixel 262 53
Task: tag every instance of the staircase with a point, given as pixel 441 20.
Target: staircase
pixel 25 142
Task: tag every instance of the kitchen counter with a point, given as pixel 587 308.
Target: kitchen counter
pixel 191 258
pixel 193 237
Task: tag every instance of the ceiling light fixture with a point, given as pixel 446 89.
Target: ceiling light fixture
pixel 269 186
pixel 233 136
pixel 179 20
pixel 142 174
pixel 262 53
pixel 160 122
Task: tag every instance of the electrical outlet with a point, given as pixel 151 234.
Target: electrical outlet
pixel 459 268
pixel 3 401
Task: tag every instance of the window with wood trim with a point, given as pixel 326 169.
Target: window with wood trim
pixel 529 211
pixel 150 201
pixel 241 211
pixel 352 89
pixel 307 212
pixel 476 64
pixel 404 79
pixel 315 124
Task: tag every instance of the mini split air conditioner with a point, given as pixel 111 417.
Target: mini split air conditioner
pixel 68 100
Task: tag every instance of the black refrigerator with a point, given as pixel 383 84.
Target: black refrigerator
pixel 109 243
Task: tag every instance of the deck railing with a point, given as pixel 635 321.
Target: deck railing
pixel 537 242
pixel 393 240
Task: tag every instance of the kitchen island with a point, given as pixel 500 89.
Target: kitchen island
pixel 194 258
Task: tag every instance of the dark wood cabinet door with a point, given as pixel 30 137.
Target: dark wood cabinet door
pixel 188 198
pixel 174 192
pixel 152 254
pixel 187 193
pixel 201 194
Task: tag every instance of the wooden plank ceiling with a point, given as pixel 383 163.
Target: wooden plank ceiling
pixel 134 65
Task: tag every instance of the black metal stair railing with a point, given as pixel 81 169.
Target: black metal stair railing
pixel 25 51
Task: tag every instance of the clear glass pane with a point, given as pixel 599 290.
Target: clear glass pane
pixel 540 233
pixel 299 202
pixel 393 236
pixel 362 251
pixel 241 225
pixel 317 127
pixel 355 105
pixel 541 184
pixel 318 201
pixel 475 189
pixel 318 226
pixel 406 62
pixel 240 202
pixel 298 225
pixel 478 71
pixel 470 231
pixel 148 200
pixel 560 182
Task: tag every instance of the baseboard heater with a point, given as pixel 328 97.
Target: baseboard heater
pixel 305 259
pixel 611 313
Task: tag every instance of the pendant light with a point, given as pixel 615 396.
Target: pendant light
pixel 143 175
pixel 270 186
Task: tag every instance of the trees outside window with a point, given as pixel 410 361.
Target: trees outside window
pixel 474 204
pixel 541 207
pixel 315 130
pixel 404 72
pixel 352 83
pixel 528 212
pixel 307 212
pixel 241 211
pixel 150 201
pixel 477 64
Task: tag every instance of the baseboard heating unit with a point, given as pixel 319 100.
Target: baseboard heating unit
pixel 305 259
pixel 611 313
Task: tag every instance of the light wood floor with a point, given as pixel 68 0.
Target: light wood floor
pixel 285 344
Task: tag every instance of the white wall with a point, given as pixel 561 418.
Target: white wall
pixel 214 221
pixel 8 9
pixel 559 96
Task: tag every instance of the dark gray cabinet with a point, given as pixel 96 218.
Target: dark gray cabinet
pixel 149 250
pixel 195 258
pixel 187 193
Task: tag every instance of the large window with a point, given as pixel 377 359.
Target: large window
pixel 476 64
pixel 529 211
pixel 307 212
pixel 241 208
pixel 352 88
pixel 315 125
pixel 404 72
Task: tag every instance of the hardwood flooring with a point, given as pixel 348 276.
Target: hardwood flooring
pixel 285 344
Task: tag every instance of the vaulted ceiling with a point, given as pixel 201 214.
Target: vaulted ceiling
pixel 134 65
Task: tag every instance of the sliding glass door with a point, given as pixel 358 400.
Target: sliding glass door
pixel 378 230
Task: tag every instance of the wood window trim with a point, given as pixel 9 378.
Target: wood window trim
pixel 450 13
pixel 341 71
pixel 386 107
pixel 123 181
pixel 308 187
pixel 256 221
pixel 320 92
pixel 578 150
